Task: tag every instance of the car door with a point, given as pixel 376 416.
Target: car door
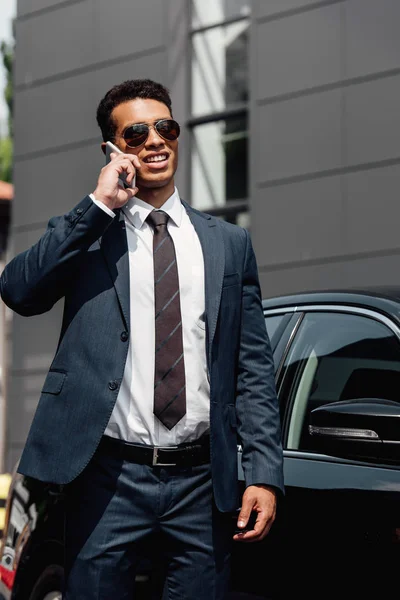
pixel 339 530
pixel 281 324
pixel 248 580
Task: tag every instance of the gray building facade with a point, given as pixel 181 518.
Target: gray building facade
pixel 290 127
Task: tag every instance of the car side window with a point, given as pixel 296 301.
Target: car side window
pixel 272 323
pixel 336 356
pixel 275 325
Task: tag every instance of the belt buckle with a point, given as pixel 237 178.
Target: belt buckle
pixel 155 462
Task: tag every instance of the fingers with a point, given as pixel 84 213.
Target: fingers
pixel 261 500
pixel 109 189
pixel 131 192
pixel 130 157
pixel 136 161
pixel 125 194
pixel 248 521
pixel 259 531
pixel 125 165
pixel 244 516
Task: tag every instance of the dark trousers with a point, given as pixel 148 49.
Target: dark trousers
pixel 121 517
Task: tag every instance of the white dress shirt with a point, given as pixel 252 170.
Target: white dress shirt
pixel 132 419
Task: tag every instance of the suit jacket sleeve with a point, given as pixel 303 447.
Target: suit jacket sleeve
pixel 35 279
pixel 256 403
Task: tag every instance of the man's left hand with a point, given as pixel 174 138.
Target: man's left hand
pixel 262 500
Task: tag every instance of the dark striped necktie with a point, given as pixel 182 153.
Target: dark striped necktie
pixel 169 376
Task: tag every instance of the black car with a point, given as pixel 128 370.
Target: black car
pixel 337 532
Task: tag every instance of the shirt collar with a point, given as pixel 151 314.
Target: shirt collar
pixel 138 210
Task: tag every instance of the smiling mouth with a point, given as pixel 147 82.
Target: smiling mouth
pixel 158 158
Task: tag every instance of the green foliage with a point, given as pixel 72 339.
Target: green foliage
pixel 6 155
pixel 7 52
pixel 6 145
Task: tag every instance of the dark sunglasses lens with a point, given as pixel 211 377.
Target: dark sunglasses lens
pixel 168 129
pixel 136 135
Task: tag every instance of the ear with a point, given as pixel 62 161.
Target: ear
pixel 103 147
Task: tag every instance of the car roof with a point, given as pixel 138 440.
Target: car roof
pixel 384 299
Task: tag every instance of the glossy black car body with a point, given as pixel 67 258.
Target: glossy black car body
pixel 337 535
pixel 337 532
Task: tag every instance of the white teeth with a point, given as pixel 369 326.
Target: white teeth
pixel 157 158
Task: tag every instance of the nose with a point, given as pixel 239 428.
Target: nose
pixel 154 139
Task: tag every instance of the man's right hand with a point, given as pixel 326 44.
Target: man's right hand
pixel 108 191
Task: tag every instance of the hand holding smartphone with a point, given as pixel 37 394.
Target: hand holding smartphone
pixel 122 178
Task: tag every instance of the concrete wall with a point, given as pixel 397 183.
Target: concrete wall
pixel 69 53
pixel 325 143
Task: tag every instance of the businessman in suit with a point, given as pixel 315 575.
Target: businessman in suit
pixel 163 366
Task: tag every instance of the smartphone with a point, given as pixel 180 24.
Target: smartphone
pixel 250 523
pixel 122 178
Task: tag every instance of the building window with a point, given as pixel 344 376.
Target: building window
pixel 219 108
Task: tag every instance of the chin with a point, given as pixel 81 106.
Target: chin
pixel 156 182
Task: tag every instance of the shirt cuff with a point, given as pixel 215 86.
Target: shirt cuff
pixel 102 206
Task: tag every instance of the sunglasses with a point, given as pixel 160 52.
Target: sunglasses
pixel 136 135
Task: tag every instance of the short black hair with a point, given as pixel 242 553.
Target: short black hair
pixel 123 92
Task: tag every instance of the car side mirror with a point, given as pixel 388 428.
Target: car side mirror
pixel 362 429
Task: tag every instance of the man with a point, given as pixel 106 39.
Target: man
pixel 163 365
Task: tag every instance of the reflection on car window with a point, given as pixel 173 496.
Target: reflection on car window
pixel 337 356
pixel 272 323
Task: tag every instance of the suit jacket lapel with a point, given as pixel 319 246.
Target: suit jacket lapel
pixel 207 228
pixel 115 249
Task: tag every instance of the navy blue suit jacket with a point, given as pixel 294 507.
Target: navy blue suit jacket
pixel 83 257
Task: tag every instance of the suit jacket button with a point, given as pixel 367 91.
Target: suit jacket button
pixel 79 211
pixel 124 336
pixel 113 385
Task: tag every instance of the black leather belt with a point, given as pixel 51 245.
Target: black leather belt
pixel 184 455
